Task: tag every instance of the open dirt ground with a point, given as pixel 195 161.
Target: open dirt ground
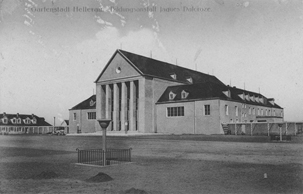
pixel 183 164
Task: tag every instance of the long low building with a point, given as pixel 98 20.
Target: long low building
pixel 144 95
pixel 23 123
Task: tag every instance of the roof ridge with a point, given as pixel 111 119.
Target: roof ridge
pixel 164 62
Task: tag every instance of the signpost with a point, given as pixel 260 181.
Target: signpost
pixel 280 126
pixel 104 124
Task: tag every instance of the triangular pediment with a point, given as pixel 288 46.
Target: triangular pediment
pixel 118 67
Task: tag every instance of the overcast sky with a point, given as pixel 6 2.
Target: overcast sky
pixel 49 59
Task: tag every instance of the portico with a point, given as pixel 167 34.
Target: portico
pixel 118 101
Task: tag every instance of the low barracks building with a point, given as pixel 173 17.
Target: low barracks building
pixel 144 95
pixel 23 123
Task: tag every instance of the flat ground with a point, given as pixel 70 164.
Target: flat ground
pixel 162 164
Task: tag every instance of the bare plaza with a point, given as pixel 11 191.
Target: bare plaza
pixel 161 164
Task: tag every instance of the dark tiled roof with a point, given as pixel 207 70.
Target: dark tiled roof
pixel 154 68
pixel 209 90
pixel 235 92
pixel 89 103
pixel 40 121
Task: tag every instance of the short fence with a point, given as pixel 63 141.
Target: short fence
pixel 264 129
pixel 96 156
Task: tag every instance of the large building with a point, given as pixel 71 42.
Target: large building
pixel 23 123
pixel 144 95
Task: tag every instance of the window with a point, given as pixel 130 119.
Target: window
pixel 237 110
pixel 27 121
pixel 118 69
pixel 258 111
pixel 19 121
pixel 207 109
pixel 266 112
pixel 269 113
pixel 190 80
pixel 274 113
pixel 5 120
pixel 231 121
pixel 14 120
pixel 262 113
pixel 91 115
pixel 75 116
pixel 226 109
pixel 92 103
pixel 227 93
pixel 249 111
pixel 171 95
pixel 184 94
pixel 34 121
pixel 175 111
pixel 254 111
pixel 173 75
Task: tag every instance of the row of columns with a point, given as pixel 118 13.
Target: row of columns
pixel 119 102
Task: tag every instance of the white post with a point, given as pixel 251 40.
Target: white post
pixel 267 128
pixel 235 129
pixel 132 108
pixel 281 133
pixel 123 107
pixel 286 128
pixel 251 129
pixel 295 129
pixel 116 121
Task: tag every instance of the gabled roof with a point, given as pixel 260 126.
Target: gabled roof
pixel 89 103
pixel 195 91
pixel 40 121
pixel 235 92
pixel 159 69
pixel 65 122
pixel 209 90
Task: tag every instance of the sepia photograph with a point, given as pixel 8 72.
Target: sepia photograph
pixel 151 96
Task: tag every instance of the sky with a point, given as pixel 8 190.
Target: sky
pixel 52 51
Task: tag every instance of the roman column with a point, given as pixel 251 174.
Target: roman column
pixel 132 107
pixel 108 105
pixel 116 107
pixel 123 107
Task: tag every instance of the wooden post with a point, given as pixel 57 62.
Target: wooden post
pixel 286 128
pixel 281 133
pixel 295 129
pixel 104 145
pixel 235 128
pixel 251 129
pixel 267 128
